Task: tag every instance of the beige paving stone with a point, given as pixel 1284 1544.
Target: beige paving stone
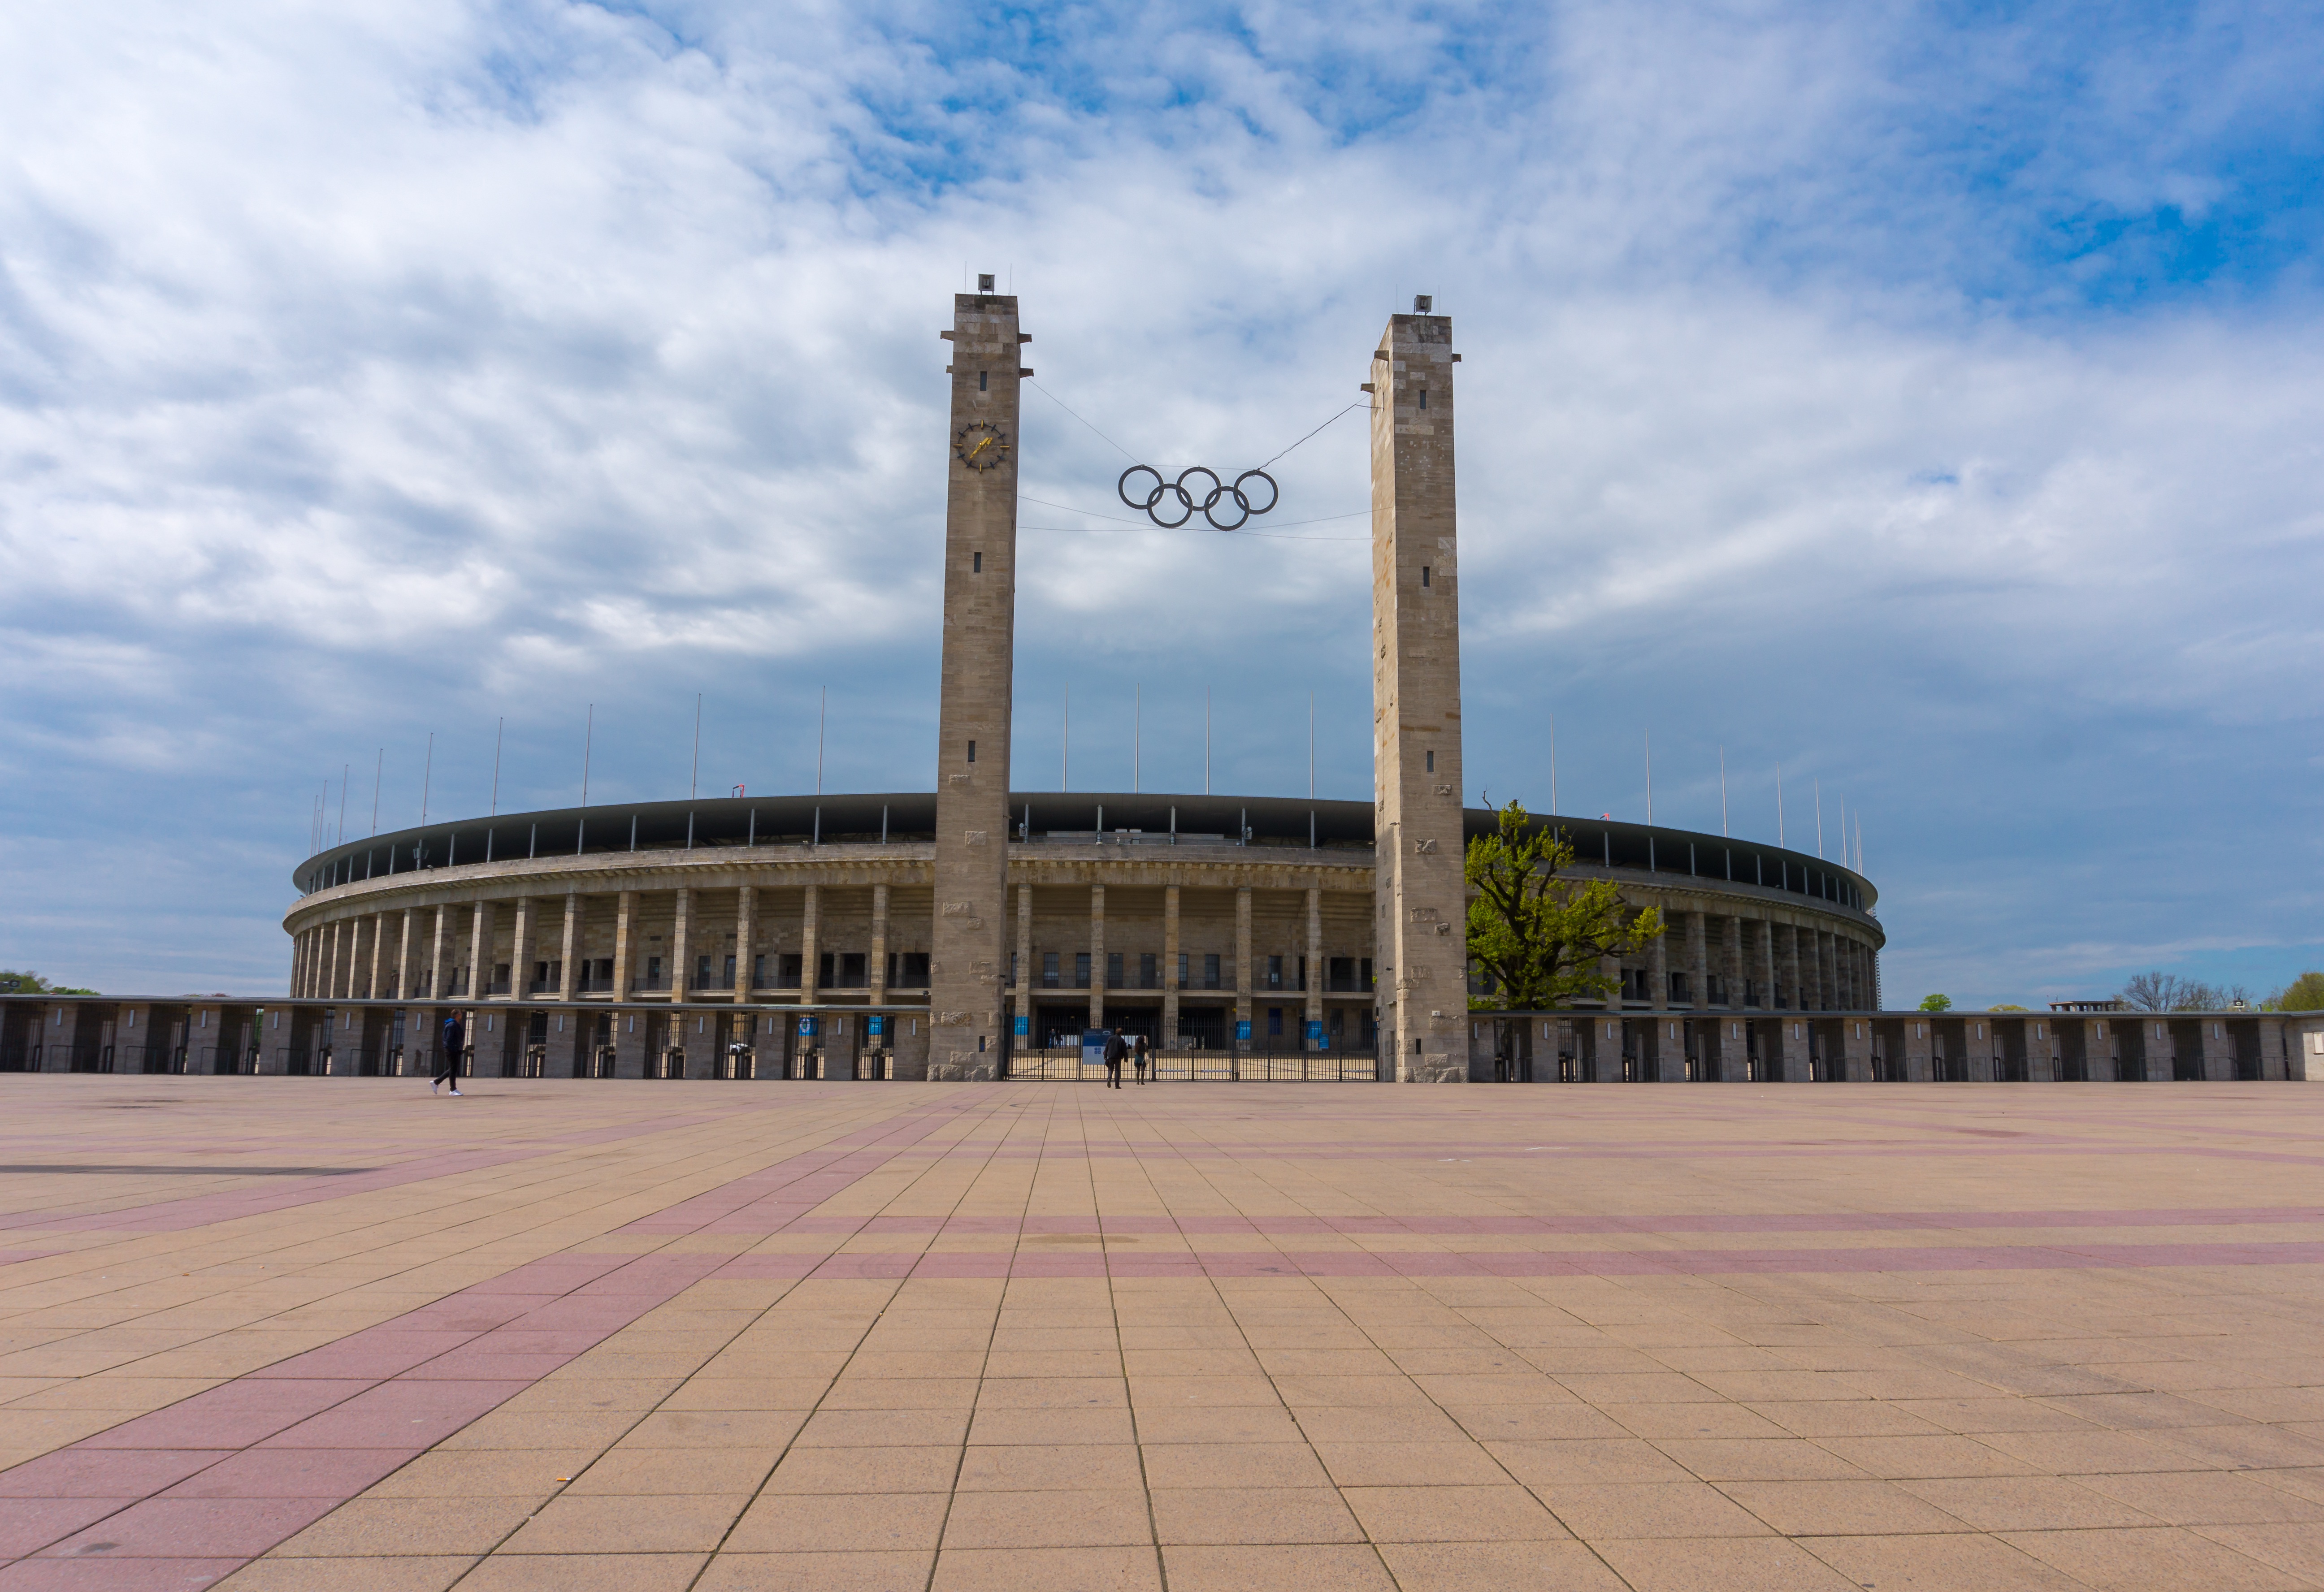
pixel 1949 1564
pixel 585 1573
pixel 1048 1569
pixel 1488 1513
pixel 2209 1497
pixel 603 1524
pixel 1239 1465
pixel 2146 1558
pixel 369 1573
pixel 1602 1513
pixel 1719 1564
pixel 1248 1516
pixel 1084 1517
pixel 1319 1568
pixel 2296 1547
pixel 839 1522
pixel 817 1572
pixel 2026 1503
pixel 367 1527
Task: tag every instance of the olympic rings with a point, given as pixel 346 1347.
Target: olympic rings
pixel 1194 501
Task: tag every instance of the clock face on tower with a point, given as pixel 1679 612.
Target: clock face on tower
pixel 980 447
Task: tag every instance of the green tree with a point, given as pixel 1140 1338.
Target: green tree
pixel 30 983
pixel 1537 937
pixel 2303 994
pixel 1936 1003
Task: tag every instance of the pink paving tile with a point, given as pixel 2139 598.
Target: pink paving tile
pixel 204 1528
pixel 100 1573
pixel 104 1472
pixel 369 1355
pixel 30 1525
pixel 291 1473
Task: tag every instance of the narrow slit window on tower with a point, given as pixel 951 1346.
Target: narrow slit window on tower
pixel 1432 762
pixel 1424 398
pixel 1423 575
pixel 982 376
pixel 972 751
pixel 976 564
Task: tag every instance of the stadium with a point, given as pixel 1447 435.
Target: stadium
pixel 976 931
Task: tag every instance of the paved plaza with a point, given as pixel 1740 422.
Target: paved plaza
pixel 294 1333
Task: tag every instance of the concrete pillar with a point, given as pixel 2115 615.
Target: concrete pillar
pixel 1313 1017
pixel 681 943
pixel 299 962
pixel 1854 1059
pixel 1763 933
pixel 1416 703
pixel 403 991
pixel 1658 974
pixel 438 941
pixel 330 985
pixel 746 932
pixel 1097 956
pixel 971 869
pixel 810 934
pixel 1731 962
pixel 1787 937
pixel 1828 966
pixel 569 945
pixel 1242 971
pixel 1169 1036
pixel 1698 962
pixel 482 931
pixel 879 944
pixel 632 1030
pixel 1792 1045
pixel 1028 977
pixel 1732 1047
pixel 520 945
pixel 625 919
pixel 373 989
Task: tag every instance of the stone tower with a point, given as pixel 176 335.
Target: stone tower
pixel 1423 937
pixel 968 958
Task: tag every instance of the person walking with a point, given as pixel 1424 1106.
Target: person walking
pixel 1140 1057
pixel 1114 1052
pixel 448 1064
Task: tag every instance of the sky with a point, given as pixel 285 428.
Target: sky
pixel 1922 403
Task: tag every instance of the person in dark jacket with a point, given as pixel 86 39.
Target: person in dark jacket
pixel 1115 1050
pixel 448 1063
pixel 1140 1057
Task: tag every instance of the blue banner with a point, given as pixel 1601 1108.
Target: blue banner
pixel 1242 1033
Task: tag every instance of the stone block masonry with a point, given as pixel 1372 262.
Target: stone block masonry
pixel 1421 895
pixel 970 953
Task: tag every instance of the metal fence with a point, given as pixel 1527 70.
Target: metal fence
pixel 1202 1066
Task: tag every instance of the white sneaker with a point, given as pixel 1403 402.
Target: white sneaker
pixel 456 1094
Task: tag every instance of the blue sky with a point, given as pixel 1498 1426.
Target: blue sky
pixel 1921 399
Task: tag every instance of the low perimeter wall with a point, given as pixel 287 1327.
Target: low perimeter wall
pixel 536 1038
